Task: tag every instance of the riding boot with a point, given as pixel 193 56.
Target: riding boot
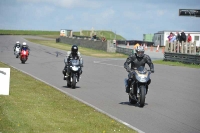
pixel 128 85
pixel 64 73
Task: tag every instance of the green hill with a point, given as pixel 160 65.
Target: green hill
pixel 109 35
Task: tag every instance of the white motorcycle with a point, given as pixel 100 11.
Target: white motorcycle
pixel 17 49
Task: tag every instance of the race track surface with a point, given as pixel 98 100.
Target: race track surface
pixel 172 104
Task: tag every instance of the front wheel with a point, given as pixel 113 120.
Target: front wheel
pixel 142 96
pixel 23 61
pixel 74 81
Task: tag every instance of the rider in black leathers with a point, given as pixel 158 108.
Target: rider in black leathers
pixel 73 54
pixel 136 60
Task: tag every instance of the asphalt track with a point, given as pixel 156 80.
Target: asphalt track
pixel 172 104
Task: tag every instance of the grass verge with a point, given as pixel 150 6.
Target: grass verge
pixel 82 50
pixel 33 106
pixel 173 63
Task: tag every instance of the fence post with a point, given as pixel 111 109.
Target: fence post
pixel 166 46
pixel 190 47
pixel 178 45
pixel 171 47
pixel 182 45
pixel 185 47
pixel 174 44
pixel 195 47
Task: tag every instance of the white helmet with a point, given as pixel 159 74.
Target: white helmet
pixel 140 51
pixel 17 42
pixel 24 43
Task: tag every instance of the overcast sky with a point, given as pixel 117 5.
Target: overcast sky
pixel 129 18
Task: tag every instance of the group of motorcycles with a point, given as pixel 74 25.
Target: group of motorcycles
pixel 138 88
pixel 23 55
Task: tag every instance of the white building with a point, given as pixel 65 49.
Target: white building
pixel 161 37
pixel 65 32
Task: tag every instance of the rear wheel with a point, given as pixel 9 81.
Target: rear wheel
pixel 142 96
pixel 74 81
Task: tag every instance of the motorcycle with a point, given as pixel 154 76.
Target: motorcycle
pixel 24 56
pixel 74 73
pixel 139 87
pixel 17 49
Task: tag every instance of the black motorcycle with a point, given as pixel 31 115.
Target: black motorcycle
pixel 139 87
pixel 74 73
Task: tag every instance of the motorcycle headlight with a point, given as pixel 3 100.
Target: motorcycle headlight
pixel 75 68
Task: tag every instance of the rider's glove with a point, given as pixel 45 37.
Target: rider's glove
pixel 152 70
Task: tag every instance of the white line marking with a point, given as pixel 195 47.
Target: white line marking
pixel 100 62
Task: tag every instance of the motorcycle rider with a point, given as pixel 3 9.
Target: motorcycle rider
pixel 17 44
pixel 136 60
pixel 73 54
pixel 25 47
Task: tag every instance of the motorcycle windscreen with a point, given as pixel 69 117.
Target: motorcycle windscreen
pixel 75 62
pixel 25 49
pixel 142 75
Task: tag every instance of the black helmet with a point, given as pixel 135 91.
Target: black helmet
pixel 74 49
pixel 140 51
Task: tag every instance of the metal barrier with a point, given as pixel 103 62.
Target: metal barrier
pixel 185 58
pixel 125 51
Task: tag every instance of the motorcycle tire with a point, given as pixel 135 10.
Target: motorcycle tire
pixel 142 96
pixel 74 81
pixel 23 62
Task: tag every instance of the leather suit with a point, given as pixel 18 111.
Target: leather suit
pixel 67 60
pixel 136 62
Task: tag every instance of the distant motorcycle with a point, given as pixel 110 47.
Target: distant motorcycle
pixel 17 49
pixel 74 73
pixel 138 89
pixel 24 56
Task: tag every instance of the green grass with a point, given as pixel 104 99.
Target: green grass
pixel 28 32
pixel 109 35
pixel 173 63
pixel 82 50
pixel 33 106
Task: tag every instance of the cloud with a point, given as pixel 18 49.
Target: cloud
pixel 107 14
pixel 130 15
pixel 69 18
pixel 160 12
pixel 68 3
